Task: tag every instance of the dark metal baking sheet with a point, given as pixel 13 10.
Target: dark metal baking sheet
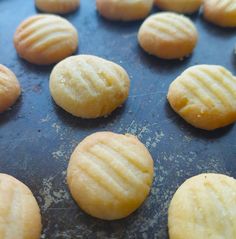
pixel 37 137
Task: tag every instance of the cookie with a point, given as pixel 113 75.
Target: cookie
pixel 19 212
pixel 205 96
pixel 220 12
pixel 204 207
pixel 45 39
pixel 58 6
pixel 168 35
pixel 9 88
pixel 124 10
pixel 180 6
pixel 110 175
pixel 88 86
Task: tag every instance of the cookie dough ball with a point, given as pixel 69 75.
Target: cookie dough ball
pixel 124 10
pixel 220 12
pixel 57 6
pixel 180 6
pixel 168 35
pixel 45 39
pixel 205 96
pixel 110 175
pixel 19 212
pixel 9 88
pixel 88 86
pixel 204 207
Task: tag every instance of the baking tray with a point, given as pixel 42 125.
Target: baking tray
pixel 37 137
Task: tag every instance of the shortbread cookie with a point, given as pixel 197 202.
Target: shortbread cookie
pixel 180 6
pixel 168 35
pixel 88 86
pixel 9 88
pixel 205 96
pixel 124 10
pixel 110 175
pixel 45 39
pixel 57 6
pixel 220 12
pixel 19 212
pixel 204 207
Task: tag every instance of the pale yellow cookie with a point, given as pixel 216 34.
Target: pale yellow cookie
pixel 9 88
pixel 205 96
pixel 45 39
pixel 180 6
pixel 124 10
pixel 110 175
pixel 168 35
pixel 204 207
pixel 19 212
pixel 88 86
pixel 220 12
pixel 57 6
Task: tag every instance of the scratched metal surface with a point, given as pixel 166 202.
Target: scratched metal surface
pixel 37 137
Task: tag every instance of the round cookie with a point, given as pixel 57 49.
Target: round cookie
pixel 168 35
pixel 110 175
pixel 180 6
pixel 204 207
pixel 57 6
pixel 205 96
pixel 9 88
pixel 88 86
pixel 19 212
pixel 220 12
pixel 124 10
pixel 45 39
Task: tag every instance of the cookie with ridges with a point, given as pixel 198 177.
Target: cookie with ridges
pixel 110 175
pixel 204 207
pixel 9 88
pixel 45 39
pixel 88 86
pixel 124 10
pixel 57 6
pixel 220 12
pixel 168 35
pixel 205 96
pixel 19 212
pixel 180 6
